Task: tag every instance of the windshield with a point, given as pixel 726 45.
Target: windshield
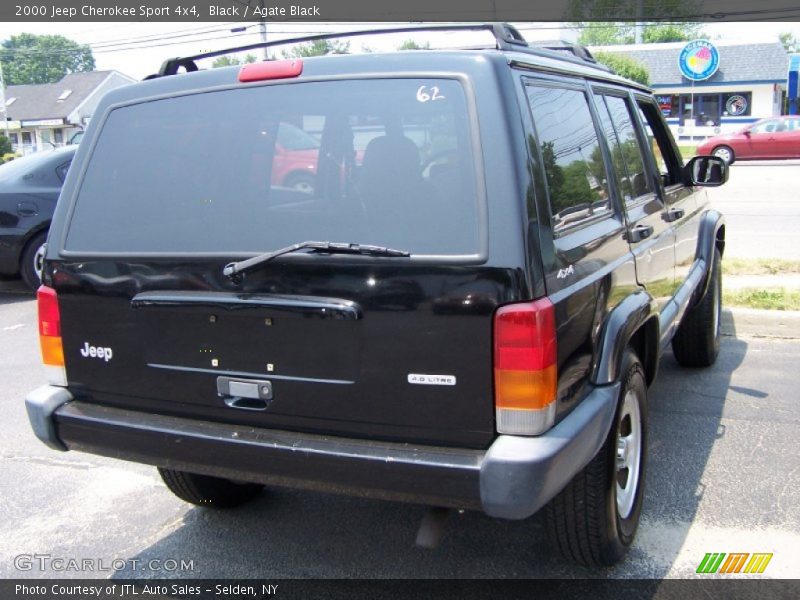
pixel 379 161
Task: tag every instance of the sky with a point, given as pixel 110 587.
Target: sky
pixel 138 49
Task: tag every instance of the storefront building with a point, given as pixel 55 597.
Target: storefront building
pixel 706 88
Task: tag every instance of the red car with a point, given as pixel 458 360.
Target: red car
pixel 775 137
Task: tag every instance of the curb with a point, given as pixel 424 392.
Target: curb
pixel 751 322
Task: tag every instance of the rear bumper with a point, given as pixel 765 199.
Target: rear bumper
pixel 512 479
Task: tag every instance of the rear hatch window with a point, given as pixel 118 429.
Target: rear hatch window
pixel 244 170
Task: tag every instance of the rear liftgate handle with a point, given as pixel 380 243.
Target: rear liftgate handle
pixel 245 394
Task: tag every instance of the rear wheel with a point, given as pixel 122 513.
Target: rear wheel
pixel 725 153
pixel 302 182
pixel 594 519
pixel 204 490
pixel 696 343
pixel 30 266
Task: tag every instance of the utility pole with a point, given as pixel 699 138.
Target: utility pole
pixel 3 100
pixel 637 29
pixel 262 27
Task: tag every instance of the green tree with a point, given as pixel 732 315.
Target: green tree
pixel 29 58
pixel 659 33
pixel 605 34
pixel 611 34
pixel 317 48
pixel 5 145
pixel 624 66
pixel 610 22
pixel 410 44
pixel 230 61
pixel 790 43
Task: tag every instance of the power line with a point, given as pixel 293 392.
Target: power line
pixel 163 40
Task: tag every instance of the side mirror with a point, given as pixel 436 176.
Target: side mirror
pixel 746 132
pixel 708 171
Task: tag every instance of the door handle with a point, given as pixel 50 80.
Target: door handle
pixel 27 209
pixel 639 233
pixel 674 214
pixel 246 403
pixel 245 394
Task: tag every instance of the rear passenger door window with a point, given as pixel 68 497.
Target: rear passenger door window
pixel 626 152
pixel 570 151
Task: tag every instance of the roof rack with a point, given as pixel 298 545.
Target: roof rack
pixel 581 52
pixel 506 36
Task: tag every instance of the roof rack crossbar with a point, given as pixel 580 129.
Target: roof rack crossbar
pixel 507 38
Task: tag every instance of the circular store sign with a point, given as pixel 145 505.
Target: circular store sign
pixel 698 60
pixel 736 105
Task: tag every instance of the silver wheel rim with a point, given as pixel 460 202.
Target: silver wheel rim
pixel 304 186
pixel 629 453
pixel 38 260
pixel 724 154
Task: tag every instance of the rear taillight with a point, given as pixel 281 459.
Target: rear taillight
pixel 525 378
pixel 50 335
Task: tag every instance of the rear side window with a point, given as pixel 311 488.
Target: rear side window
pixel 380 161
pixel 573 162
pixel 62 170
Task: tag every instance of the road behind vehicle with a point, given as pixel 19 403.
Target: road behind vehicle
pixel 29 189
pixel 767 139
pixel 468 316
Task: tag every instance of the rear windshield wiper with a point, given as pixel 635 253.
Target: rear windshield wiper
pixel 234 271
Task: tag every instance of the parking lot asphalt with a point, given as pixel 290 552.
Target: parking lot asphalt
pixel 762 209
pixel 724 476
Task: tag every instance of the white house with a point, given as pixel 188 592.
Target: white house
pixel 48 114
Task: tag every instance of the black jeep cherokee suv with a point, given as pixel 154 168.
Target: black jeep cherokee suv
pixel 464 307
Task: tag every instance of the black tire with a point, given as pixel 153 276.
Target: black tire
pixel 594 519
pixel 207 491
pixel 696 343
pixel 726 153
pixel 31 255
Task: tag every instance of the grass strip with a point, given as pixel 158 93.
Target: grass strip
pixel 772 299
pixel 759 266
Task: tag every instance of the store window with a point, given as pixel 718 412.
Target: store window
pixel 669 105
pixel 737 104
pixel 706 109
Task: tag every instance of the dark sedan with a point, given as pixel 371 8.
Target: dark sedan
pixel 776 137
pixel 29 189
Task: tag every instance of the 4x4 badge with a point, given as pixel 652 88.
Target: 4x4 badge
pixel 564 273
